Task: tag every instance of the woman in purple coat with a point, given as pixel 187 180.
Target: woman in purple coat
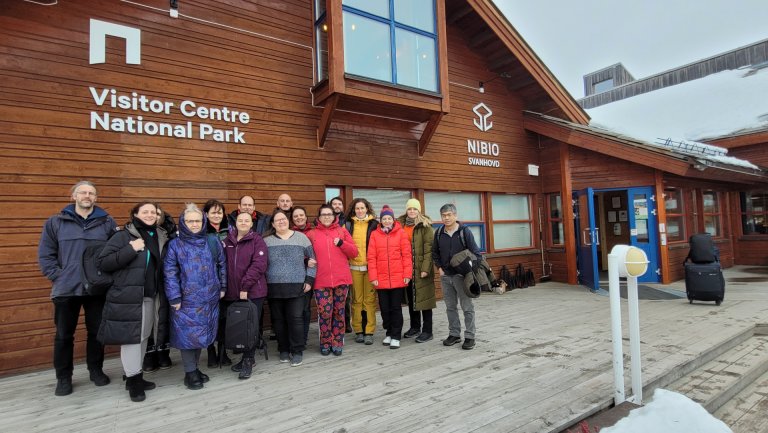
pixel 247 262
pixel 195 279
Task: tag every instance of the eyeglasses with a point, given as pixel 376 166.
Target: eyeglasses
pixel 326 214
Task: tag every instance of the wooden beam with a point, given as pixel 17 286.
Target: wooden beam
pixel 429 131
pixel 459 14
pixel 325 120
pixel 478 41
pixel 566 191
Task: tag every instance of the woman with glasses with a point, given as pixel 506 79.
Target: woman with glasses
pixel 195 280
pixel 333 246
pixel 218 226
pixel 288 279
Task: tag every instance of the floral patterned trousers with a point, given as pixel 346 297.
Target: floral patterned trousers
pixel 330 314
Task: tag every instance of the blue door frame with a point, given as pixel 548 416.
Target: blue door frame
pixel 643 224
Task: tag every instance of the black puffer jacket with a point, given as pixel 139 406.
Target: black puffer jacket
pixel 121 319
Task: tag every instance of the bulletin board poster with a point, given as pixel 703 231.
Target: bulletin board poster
pixel 641 209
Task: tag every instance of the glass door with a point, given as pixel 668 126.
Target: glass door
pixel 587 237
pixel 642 229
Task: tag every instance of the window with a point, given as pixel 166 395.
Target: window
pixel 512 222
pixel 673 204
pixel 604 85
pixel 394 198
pixel 754 212
pixel 712 213
pixel 391 40
pixel 555 219
pixel 321 42
pixel 331 192
pixel 469 207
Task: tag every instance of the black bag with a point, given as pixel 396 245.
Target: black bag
pixel 702 249
pixel 242 331
pixel 95 281
pixel 704 282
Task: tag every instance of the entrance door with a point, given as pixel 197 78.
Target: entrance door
pixel 642 229
pixel 586 237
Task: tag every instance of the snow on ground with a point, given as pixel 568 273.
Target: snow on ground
pixel 669 412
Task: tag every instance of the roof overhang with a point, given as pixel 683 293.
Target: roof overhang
pixel 732 141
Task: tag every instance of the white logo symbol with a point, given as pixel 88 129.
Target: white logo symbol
pixel 482 122
pixel 99 32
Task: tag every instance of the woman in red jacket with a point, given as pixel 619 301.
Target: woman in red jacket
pixel 333 247
pixel 390 266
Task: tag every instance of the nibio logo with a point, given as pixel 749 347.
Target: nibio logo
pixel 99 32
pixel 483 113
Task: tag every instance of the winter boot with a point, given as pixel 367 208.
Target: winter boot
pixel 164 359
pixel 192 380
pixel 245 372
pixel 135 387
pixel 139 378
pixel 150 362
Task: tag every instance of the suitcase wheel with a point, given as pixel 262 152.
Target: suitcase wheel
pixel 690 301
pixel 718 302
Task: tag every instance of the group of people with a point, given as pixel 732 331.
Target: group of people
pixel 172 285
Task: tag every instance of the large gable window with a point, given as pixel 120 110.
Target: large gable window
pixel 393 41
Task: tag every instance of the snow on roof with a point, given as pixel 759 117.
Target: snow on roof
pixel 717 105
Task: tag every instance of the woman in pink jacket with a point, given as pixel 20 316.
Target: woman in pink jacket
pixel 333 247
pixel 390 267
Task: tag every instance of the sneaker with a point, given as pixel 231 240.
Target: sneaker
pixel 237 367
pixel 369 339
pixel 394 344
pixel 336 351
pixel 325 351
pixel 285 357
pixel 469 343
pixel 424 337
pixel 451 340
pixel 386 340
pixel 296 359
pixel 63 386
pixel 98 377
pixel 359 338
pixel 411 333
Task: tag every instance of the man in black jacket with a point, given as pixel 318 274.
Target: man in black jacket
pixel 449 240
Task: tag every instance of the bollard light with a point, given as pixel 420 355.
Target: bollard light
pixel 632 260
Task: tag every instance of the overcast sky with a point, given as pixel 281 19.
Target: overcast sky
pixel 575 37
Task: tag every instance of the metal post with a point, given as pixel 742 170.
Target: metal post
pixel 634 340
pixel 618 351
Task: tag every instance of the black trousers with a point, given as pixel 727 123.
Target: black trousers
pixel 416 316
pixel 307 314
pixel 288 323
pixel 65 316
pixel 390 304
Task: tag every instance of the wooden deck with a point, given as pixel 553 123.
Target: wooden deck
pixel 542 359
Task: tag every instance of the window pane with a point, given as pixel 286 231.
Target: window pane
pixel 379 197
pixel 511 235
pixel 367 48
pixel 555 206
pixel 642 230
pixel 510 207
pixel 712 225
pixel 477 233
pixel 331 192
pixel 673 202
pixel 468 205
pixel 675 230
pixel 416 13
pixel 416 60
pixel 557 233
pixel 322 51
pixel 375 7
pixel 710 202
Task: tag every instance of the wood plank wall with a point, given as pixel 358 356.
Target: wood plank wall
pixel 47 144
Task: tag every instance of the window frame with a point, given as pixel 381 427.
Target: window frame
pixel 481 224
pixel 550 220
pixel 319 22
pixel 747 214
pixel 718 214
pixel 681 214
pixel 529 221
pixel 393 26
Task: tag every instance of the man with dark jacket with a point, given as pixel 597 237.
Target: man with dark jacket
pixel 248 205
pixel 450 239
pixel 64 238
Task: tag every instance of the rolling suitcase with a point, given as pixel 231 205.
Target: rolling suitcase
pixel 704 282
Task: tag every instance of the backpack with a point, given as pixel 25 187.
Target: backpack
pixel 703 249
pixel 242 330
pixel 95 281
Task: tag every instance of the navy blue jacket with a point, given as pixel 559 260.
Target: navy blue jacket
pixel 445 246
pixel 62 243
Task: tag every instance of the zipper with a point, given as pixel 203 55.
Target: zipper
pixel 389 268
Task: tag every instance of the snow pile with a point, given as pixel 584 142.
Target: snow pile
pixel 669 412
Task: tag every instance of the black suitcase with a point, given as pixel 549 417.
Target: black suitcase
pixel 704 282
pixel 242 330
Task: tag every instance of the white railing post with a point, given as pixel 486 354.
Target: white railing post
pixel 618 351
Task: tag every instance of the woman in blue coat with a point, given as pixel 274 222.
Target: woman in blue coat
pixel 195 279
